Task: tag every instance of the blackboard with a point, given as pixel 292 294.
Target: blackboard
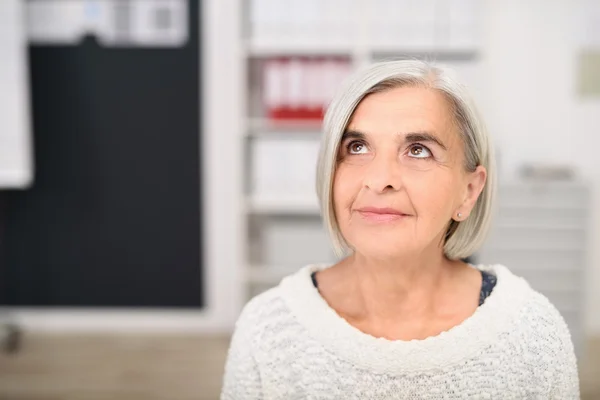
pixel 113 217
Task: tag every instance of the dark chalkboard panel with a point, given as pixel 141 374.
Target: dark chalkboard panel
pixel 113 218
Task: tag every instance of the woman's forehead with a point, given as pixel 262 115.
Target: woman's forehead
pixel 402 111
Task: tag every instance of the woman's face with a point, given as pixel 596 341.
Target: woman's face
pixel 400 174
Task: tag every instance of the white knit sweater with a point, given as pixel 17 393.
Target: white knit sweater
pixel 289 344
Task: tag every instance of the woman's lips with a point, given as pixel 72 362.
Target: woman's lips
pixel 375 214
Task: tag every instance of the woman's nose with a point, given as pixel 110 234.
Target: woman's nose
pixel 383 173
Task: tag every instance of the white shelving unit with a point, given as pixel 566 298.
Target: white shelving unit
pixel 262 126
pixel 541 233
pixel 361 31
pixel 278 48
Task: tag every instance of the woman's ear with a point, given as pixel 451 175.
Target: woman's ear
pixel 475 182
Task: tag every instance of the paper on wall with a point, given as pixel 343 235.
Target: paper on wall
pixel 133 23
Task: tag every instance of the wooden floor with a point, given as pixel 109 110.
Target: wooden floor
pixel 114 367
pixel 53 367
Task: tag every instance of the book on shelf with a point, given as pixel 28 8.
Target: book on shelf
pixel 300 88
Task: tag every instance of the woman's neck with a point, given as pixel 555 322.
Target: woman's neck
pixel 401 286
pixel 380 296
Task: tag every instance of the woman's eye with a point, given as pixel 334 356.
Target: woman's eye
pixel 419 151
pixel 356 148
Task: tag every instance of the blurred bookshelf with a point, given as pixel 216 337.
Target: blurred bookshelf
pixel 297 53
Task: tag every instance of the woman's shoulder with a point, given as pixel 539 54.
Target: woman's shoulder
pixel 270 309
pixel 513 292
pixel 538 318
pixel 545 335
pixel 540 313
pixel 261 307
pixel 536 303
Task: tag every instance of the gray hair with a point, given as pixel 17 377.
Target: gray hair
pixel 463 238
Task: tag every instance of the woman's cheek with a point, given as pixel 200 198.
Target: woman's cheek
pixel 429 189
pixel 343 189
pixel 347 177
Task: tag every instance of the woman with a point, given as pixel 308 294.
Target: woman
pixel 406 183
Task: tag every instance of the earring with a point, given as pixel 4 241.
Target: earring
pixel 459 215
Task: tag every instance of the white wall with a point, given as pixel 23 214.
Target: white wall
pixel 530 102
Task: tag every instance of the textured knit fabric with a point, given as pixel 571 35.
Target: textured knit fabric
pixel 289 344
pixel 488 281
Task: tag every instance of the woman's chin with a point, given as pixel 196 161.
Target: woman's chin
pixel 382 249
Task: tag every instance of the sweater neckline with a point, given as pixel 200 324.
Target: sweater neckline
pixel 465 340
pixel 488 281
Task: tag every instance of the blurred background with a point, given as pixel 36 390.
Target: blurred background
pixel 157 162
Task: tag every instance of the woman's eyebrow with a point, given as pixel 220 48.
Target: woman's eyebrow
pixel 350 134
pixel 413 137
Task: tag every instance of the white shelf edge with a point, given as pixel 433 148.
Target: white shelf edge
pixel 262 126
pixel 563 249
pixel 110 320
pixel 280 47
pixel 520 183
pixel 443 53
pixel 532 206
pixel 553 268
pixel 298 46
pixel 284 135
pixel 275 204
pixel 534 226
